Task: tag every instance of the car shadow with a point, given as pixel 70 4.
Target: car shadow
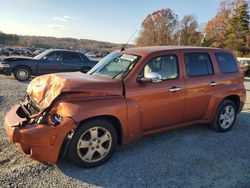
pixel 180 158
pixel 22 82
pixel 13 78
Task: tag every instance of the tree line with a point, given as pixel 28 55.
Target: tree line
pixel 229 29
pixel 53 42
pixel 8 39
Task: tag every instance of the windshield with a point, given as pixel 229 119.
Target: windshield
pixel 39 56
pixel 115 65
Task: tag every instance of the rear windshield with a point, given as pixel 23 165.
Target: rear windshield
pixel 226 62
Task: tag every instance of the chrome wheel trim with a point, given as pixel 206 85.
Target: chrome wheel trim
pixel 227 117
pixel 22 74
pixel 94 144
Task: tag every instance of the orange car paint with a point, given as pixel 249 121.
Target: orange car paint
pixel 139 109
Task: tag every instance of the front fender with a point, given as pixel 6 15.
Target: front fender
pixel 83 109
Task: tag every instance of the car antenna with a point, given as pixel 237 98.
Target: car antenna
pixel 124 45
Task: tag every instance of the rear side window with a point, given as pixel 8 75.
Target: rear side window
pixel 198 64
pixel 84 58
pixel 70 56
pixel 226 62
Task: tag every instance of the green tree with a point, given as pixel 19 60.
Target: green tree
pixel 158 29
pixel 238 30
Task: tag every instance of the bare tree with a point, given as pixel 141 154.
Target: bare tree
pixel 188 33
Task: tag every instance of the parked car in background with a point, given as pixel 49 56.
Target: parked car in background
pixel 91 55
pixel 244 65
pixel 129 94
pixel 5 52
pixel 50 61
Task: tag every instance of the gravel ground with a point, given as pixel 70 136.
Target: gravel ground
pixel 188 157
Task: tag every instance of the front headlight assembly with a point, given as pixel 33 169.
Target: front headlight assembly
pixel 56 119
pixel 52 119
pixel 3 65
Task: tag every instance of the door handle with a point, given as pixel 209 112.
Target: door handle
pixel 174 89
pixel 213 83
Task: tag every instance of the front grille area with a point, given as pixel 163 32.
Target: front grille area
pixel 29 106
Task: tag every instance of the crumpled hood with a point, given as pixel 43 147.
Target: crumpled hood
pixel 45 89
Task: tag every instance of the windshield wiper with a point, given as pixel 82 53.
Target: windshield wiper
pixel 123 70
pixel 118 73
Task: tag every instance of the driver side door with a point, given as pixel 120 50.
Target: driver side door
pixel 50 63
pixel 161 101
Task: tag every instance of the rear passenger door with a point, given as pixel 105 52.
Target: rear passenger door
pixel 70 61
pixel 201 82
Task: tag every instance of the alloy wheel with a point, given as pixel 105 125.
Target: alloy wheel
pixel 94 144
pixel 227 117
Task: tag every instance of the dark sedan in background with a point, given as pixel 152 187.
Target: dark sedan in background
pixel 50 61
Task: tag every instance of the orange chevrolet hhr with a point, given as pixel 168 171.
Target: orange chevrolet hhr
pixel 129 94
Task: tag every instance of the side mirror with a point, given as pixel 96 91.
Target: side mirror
pixel 150 77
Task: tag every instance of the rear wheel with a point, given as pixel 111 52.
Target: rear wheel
pixel 225 116
pixel 93 144
pixel 22 73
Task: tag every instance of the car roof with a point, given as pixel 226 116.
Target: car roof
pixel 153 49
pixel 61 50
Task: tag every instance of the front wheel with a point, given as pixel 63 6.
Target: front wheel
pixel 93 144
pixel 225 116
pixel 22 73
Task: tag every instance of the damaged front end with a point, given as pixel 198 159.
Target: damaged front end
pixel 40 124
pixel 40 133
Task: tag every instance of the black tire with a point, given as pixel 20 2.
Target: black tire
pixel 22 73
pixel 223 122
pixel 83 133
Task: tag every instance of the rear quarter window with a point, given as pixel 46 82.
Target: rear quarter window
pixel 226 62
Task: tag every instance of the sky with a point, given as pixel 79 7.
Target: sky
pixel 104 20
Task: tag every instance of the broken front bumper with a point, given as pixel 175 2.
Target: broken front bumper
pixel 41 142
